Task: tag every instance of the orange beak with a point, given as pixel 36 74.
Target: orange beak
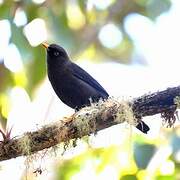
pixel 45 45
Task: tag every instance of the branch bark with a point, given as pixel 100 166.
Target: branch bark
pixel 92 119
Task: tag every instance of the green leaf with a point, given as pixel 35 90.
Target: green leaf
pixel 143 153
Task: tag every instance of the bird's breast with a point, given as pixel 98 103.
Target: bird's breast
pixel 71 90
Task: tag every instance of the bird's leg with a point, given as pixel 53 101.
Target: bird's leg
pixel 76 109
pixel 6 135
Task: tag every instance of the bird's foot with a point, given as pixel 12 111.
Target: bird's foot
pixel 5 135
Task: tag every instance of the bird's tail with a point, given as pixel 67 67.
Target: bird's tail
pixel 142 126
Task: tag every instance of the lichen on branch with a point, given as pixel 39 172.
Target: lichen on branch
pixel 91 119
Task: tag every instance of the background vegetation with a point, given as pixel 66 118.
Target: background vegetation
pixel 93 30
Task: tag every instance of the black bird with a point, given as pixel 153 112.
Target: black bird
pixel 73 85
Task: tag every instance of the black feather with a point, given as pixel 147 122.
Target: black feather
pixel 73 85
pixel 84 76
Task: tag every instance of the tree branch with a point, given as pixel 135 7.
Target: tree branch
pixel 92 119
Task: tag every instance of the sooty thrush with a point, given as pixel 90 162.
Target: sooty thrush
pixel 73 85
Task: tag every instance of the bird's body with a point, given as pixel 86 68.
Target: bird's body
pixel 72 88
pixel 73 85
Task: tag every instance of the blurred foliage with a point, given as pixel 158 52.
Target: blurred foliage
pixel 143 154
pixel 73 25
pixel 145 161
pixel 76 26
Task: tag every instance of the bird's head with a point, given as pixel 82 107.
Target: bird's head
pixel 55 53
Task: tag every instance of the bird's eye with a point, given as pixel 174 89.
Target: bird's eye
pixel 56 53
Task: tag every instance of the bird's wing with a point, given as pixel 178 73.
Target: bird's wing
pixel 84 76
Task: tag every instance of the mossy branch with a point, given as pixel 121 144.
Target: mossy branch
pixel 92 119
